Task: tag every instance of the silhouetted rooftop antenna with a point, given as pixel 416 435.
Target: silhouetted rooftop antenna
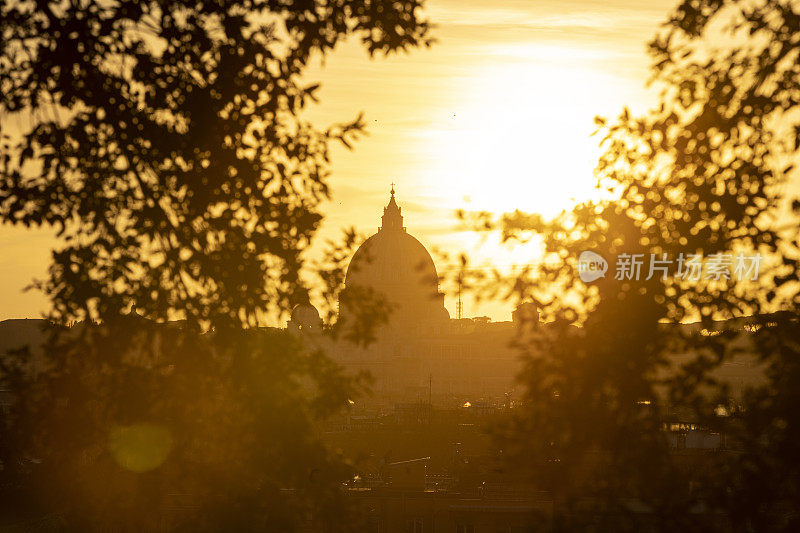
pixel 460 303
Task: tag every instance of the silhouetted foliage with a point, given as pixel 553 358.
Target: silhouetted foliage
pixel 161 425
pixel 703 173
pixel 165 142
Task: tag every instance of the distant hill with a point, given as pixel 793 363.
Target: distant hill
pixel 19 332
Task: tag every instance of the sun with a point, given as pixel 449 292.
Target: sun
pixel 520 137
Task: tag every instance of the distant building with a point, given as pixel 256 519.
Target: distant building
pixel 421 353
pixel 394 265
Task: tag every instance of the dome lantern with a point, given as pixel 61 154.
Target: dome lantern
pixel 392 219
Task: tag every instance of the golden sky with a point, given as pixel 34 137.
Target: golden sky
pixel 495 116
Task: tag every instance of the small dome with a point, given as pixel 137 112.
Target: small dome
pixel 305 316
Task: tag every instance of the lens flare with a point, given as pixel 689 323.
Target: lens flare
pixel 140 447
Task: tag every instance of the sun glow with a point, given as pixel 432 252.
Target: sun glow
pixel 521 137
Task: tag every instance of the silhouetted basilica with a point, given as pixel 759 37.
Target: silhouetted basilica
pixel 421 353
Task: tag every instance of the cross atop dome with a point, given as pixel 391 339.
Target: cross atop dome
pixel 392 219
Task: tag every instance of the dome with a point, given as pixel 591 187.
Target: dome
pixel 393 262
pixel 304 317
pixel 397 267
